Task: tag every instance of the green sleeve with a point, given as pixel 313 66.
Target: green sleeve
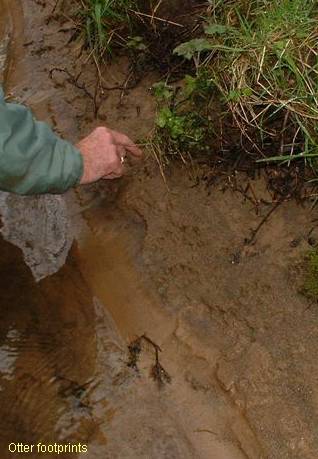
pixel 32 158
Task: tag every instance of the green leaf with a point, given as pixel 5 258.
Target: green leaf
pixel 176 126
pixel 247 92
pixel 233 95
pixel 215 29
pixel 136 43
pixel 190 48
pixel 236 94
pixel 162 91
pixel 163 117
pixel 190 85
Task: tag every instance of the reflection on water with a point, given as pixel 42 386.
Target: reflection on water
pixel 47 354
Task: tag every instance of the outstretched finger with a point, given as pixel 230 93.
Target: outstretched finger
pixel 123 140
pixel 111 176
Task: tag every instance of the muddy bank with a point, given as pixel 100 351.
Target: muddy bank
pixel 238 340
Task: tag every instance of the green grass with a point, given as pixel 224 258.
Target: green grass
pixel 106 23
pixel 259 59
pixel 253 70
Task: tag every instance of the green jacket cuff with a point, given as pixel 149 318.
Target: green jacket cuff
pixel 33 159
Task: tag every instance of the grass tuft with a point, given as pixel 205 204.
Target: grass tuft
pixel 247 73
pixel 259 59
pixel 104 22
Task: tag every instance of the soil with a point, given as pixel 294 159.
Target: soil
pixel 169 259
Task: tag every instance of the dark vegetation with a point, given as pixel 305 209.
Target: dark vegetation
pixel 239 79
pixel 237 87
pixel 157 372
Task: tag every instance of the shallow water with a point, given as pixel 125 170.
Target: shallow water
pixel 47 336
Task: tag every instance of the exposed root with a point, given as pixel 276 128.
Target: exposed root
pixel 158 373
pixel 249 241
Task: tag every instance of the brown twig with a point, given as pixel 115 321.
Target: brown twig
pixel 155 346
pixel 125 86
pixel 205 430
pixel 158 373
pixel 74 81
pixel 138 13
pixel 55 6
pixel 250 240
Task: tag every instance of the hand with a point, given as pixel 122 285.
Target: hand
pixel 104 152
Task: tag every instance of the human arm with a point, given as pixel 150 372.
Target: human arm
pixel 34 160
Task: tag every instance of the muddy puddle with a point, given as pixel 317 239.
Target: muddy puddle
pixel 81 277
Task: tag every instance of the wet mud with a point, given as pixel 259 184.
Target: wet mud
pixel 237 339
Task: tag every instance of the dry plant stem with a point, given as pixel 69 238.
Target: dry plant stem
pixel 153 151
pixel 154 12
pixel 158 373
pixel 293 143
pixel 283 132
pixel 125 86
pixel 156 347
pixel 138 13
pixel 73 80
pixel 259 226
pixel 205 430
pixel 55 6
